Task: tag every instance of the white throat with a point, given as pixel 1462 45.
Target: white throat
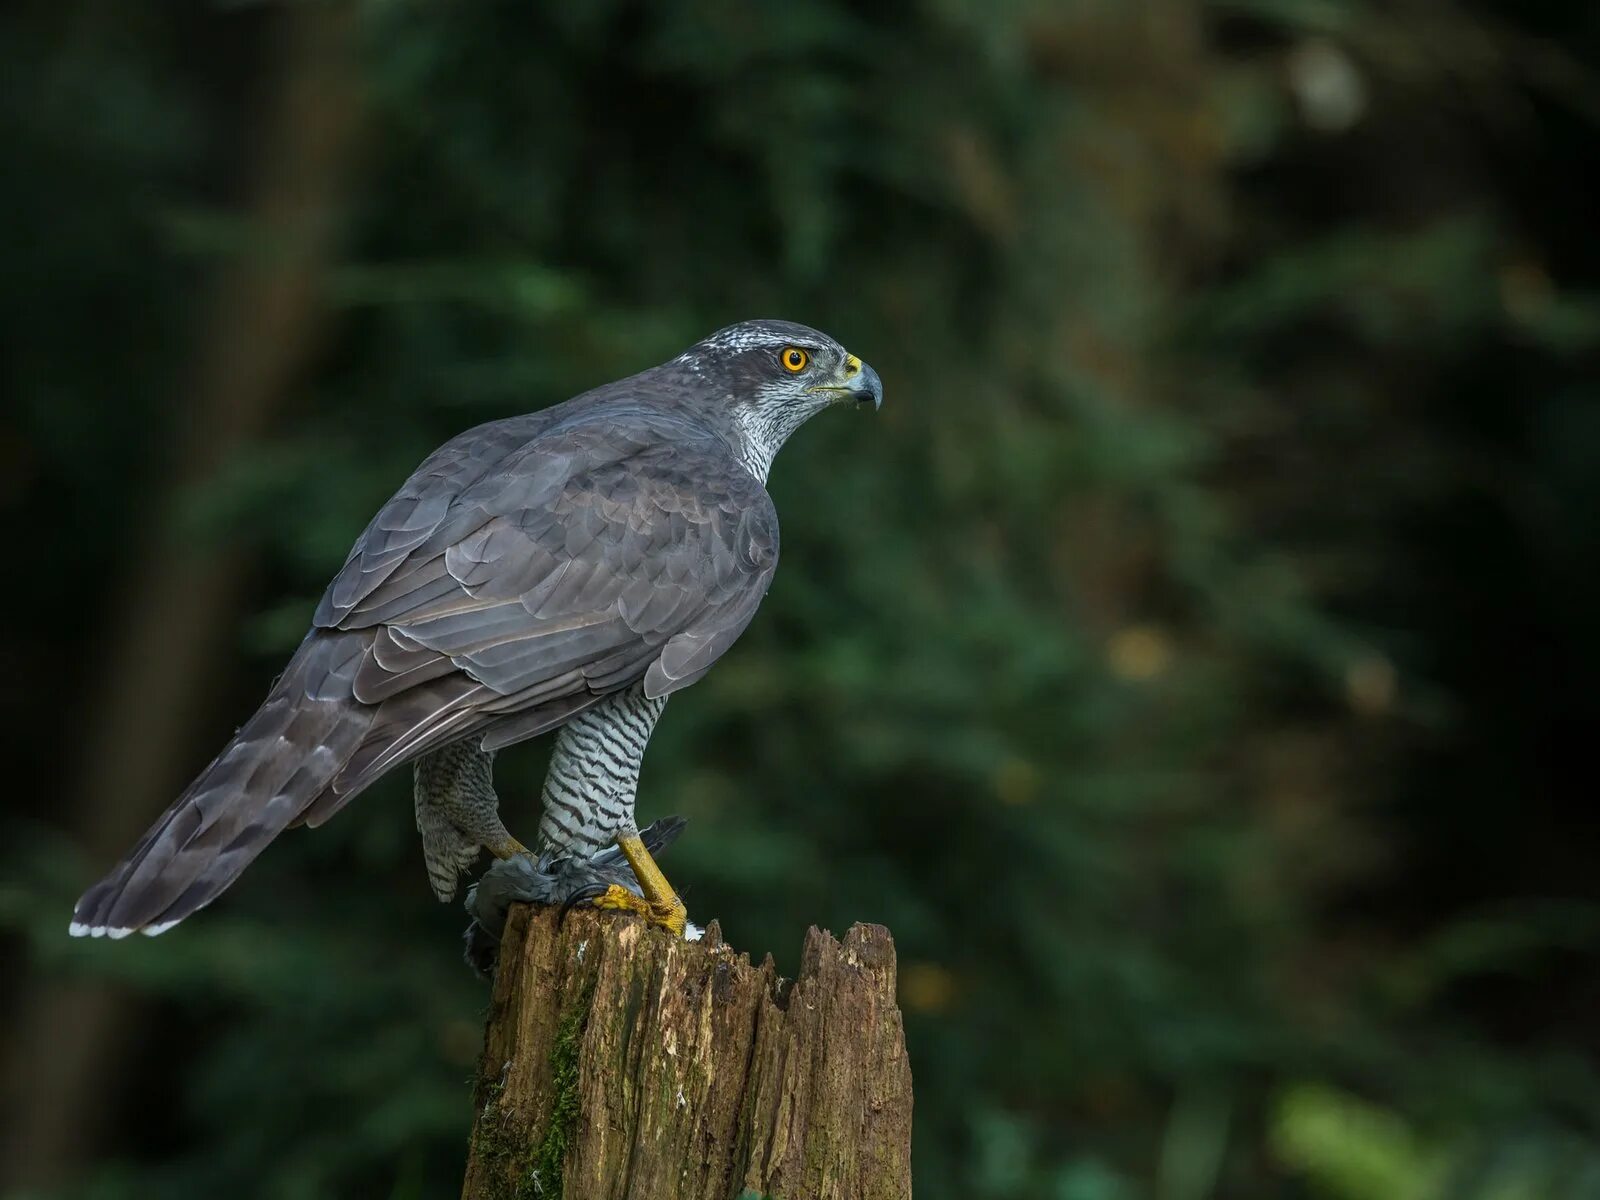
pixel 765 426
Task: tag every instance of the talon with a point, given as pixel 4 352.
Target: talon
pixel 590 892
pixel 671 916
pixel 620 898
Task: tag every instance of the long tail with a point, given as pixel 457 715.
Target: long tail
pixel 277 765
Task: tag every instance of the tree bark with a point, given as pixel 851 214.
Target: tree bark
pixel 622 1063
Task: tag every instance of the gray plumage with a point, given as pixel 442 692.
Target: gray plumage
pixel 594 557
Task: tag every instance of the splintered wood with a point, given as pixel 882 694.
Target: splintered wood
pixel 622 1063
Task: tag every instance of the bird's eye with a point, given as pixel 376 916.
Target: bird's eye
pixel 794 359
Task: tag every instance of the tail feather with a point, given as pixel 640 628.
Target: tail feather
pixel 277 765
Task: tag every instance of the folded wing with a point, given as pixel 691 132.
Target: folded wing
pixel 595 556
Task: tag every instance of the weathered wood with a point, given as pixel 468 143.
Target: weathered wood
pixel 622 1063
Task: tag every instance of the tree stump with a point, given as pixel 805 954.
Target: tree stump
pixel 623 1064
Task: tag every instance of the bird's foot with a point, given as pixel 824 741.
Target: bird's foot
pixel 620 899
pixel 670 915
pixel 666 909
pixel 672 919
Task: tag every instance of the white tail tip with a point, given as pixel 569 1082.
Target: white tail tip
pixel 79 929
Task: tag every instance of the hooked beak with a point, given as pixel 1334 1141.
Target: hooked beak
pixel 859 383
pixel 867 386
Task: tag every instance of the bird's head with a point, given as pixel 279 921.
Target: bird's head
pixel 781 364
pixel 773 376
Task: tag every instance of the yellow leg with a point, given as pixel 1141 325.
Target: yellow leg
pixel 666 910
pixel 507 847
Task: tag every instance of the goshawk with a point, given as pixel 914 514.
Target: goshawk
pixel 569 568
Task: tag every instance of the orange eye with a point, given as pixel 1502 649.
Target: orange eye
pixel 794 359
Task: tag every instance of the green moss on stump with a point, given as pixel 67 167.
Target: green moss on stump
pixel 497 1139
pixel 549 1159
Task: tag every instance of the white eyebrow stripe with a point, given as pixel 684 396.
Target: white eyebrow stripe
pixel 743 339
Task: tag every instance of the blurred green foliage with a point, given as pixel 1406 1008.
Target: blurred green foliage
pixel 1185 664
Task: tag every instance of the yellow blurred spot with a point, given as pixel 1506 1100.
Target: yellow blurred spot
pixel 926 987
pixel 1016 782
pixel 1370 684
pixel 1139 652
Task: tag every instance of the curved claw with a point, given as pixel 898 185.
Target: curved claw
pixel 584 895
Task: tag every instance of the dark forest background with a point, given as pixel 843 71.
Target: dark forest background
pixel 1194 664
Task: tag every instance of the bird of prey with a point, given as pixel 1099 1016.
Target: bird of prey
pixel 570 568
